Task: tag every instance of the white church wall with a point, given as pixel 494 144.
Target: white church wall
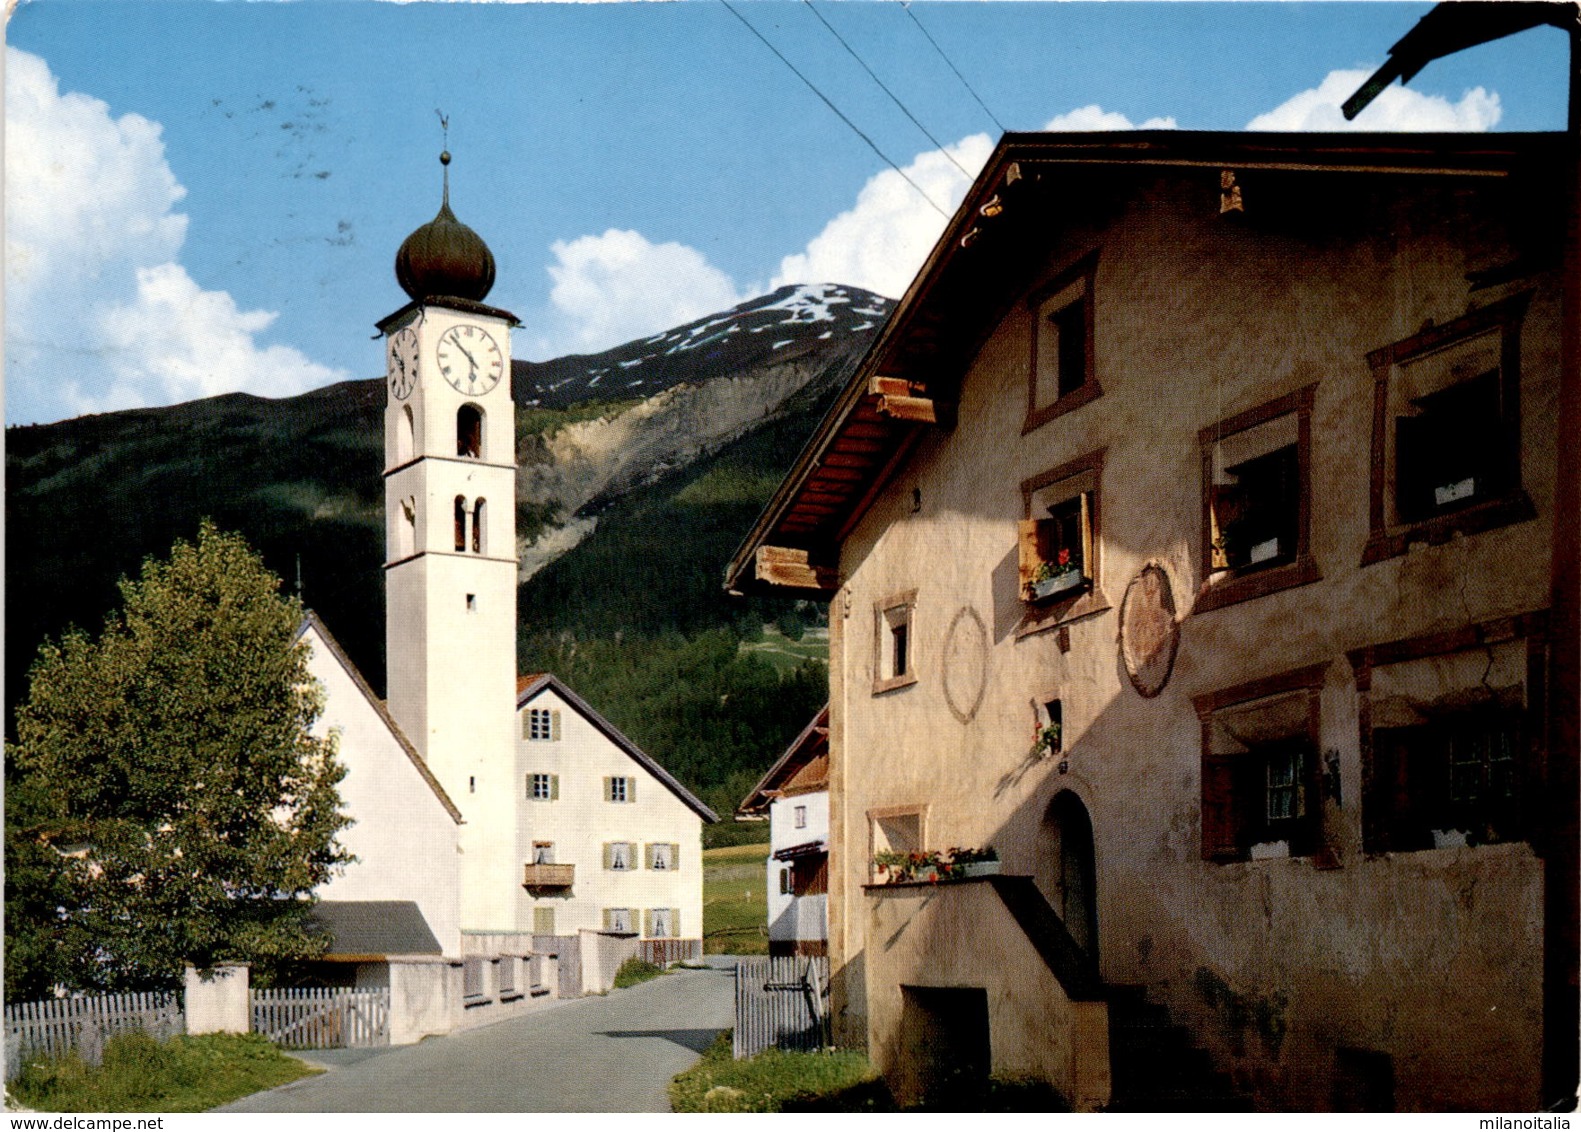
pixel 405 840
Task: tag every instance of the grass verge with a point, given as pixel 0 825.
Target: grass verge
pixel 776 1081
pixel 735 904
pixel 139 1074
pixel 634 971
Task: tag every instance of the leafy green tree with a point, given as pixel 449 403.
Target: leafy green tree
pixel 166 800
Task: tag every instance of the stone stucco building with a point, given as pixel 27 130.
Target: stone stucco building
pixel 1225 463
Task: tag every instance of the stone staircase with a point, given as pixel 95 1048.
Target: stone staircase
pixel 1154 1064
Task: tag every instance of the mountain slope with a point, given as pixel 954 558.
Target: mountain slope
pixel 668 476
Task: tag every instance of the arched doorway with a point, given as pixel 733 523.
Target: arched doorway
pixel 1075 888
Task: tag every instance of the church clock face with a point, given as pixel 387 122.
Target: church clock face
pixel 403 363
pixel 470 359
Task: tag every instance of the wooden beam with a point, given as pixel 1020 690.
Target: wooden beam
pixel 918 409
pixel 789 566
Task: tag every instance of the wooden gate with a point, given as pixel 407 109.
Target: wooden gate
pixel 322 1017
pixel 781 1003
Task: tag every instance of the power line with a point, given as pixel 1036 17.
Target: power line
pixel 907 6
pixel 892 96
pixel 854 129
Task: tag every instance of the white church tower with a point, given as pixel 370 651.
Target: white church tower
pixel 450 561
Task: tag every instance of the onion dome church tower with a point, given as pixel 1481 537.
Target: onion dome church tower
pixel 450 536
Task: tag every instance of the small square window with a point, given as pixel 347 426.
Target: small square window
pixel 785 881
pixel 1445 458
pixel 895 643
pixel 541 724
pixel 1256 501
pixel 543 920
pixel 1446 433
pixel 620 856
pixel 1062 376
pixel 661 923
pixel 619 789
pixel 801 817
pixel 542 787
pixel 1260 772
pixel 661 856
pixel 472 603
pixel 617 919
pixel 1448 782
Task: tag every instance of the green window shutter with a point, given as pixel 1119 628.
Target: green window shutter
pixel 609 789
pixel 526 726
pixel 608 918
pixel 647 922
pixel 631 788
pixel 675 856
pixel 554 724
pixel 648 855
pixel 609 855
pixel 675 922
pixel 529 786
pixel 554 788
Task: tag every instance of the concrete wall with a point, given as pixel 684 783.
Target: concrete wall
pixel 602 955
pixel 406 843
pixel 1035 1028
pixel 425 998
pixel 218 1002
pixel 580 822
pixel 1432 957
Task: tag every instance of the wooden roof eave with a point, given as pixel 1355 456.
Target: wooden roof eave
pixel 739 574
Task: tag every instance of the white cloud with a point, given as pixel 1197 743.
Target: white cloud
pixel 1398 108
pixel 612 288
pixel 881 241
pixel 99 313
pixel 1097 118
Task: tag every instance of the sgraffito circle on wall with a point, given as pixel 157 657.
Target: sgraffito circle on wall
pixel 965 664
pixel 1149 631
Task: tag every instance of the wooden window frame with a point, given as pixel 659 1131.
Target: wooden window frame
pixel 1223 587
pixel 1391 539
pixel 1377 812
pixel 884 623
pixel 1091 599
pixel 1223 837
pixel 1083 271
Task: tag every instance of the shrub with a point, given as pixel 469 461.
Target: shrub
pixel 634 971
pixel 139 1074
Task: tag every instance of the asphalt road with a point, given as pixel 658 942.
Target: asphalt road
pixel 614 1053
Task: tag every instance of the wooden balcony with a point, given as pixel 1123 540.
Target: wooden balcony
pixel 550 876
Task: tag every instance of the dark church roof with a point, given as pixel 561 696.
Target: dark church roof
pixel 374 929
pixel 444 258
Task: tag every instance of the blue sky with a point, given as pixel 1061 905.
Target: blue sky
pixel 205 197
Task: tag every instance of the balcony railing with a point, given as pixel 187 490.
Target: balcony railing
pixel 550 876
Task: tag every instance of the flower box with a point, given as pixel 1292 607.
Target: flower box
pixel 978 869
pixel 1058 584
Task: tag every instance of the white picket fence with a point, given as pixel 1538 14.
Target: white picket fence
pixel 322 1017
pixel 55 1027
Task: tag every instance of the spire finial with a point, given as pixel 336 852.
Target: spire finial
pixel 444 154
